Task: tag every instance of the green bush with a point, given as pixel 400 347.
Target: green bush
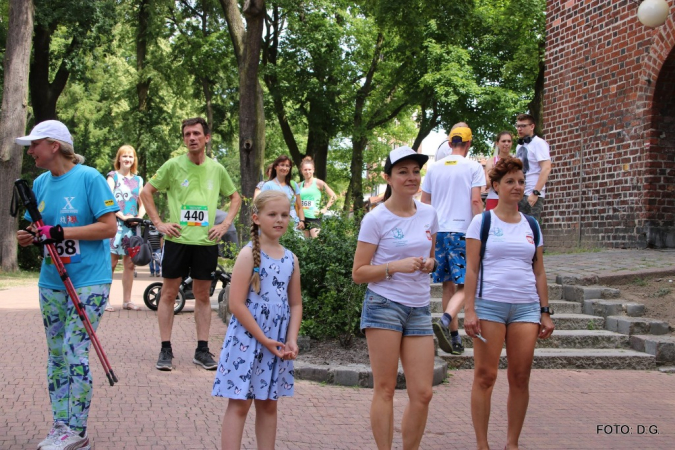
pixel 331 301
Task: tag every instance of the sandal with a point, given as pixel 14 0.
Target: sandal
pixel 131 306
pixel 109 308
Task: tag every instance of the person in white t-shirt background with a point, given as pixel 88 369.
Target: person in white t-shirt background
pixel 452 186
pixel 394 255
pixel 500 307
pixel 534 152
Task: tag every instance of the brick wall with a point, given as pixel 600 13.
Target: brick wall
pixel 609 116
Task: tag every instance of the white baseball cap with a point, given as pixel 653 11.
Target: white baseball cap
pixel 402 153
pixel 52 129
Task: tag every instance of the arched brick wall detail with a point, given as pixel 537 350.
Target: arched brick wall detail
pixel 602 71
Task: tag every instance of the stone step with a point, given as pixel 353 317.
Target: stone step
pixel 565 358
pixel 636 325
pixel 559 306
pixel 575 293
pixel 616 307
pixel 662 347
pixel 586 339
pixel 554 291
pixel 562 321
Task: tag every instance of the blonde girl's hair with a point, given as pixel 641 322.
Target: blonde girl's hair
pixel 307 160
pixel 126 149
pixel 258 205
pixel 68 151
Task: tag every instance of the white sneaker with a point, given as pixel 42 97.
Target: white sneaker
pixel 54 433
pixel 69 440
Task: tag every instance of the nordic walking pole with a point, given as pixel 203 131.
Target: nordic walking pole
pixel 27 197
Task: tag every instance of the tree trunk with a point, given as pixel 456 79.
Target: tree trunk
pixel 13 120
pixel 247 44
pixel 44 94
pixel 142 83
pixel 536 105
pixel 208 97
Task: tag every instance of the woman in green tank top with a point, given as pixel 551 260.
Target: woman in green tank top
pixel 310 195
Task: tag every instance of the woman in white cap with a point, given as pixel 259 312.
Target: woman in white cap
pixel 394 255
pixel 79 210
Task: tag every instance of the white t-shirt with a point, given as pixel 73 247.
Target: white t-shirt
pixel 443 151
pixel 531 155
pixel 398 238
pixel 449 181
pixel 507 264
pixel 492 195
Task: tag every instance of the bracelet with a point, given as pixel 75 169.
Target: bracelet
pixel 387 275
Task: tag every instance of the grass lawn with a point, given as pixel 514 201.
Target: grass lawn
pixel 19 278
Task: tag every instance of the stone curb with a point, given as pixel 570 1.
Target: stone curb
pixel 356 375
pixel 613 278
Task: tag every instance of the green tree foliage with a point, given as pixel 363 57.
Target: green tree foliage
pixel 331 300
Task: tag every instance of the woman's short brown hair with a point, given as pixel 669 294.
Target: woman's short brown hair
pixel 504 166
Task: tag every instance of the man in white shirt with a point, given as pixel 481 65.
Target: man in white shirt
pixel 444 149
pixel 533 151
pixel 452 186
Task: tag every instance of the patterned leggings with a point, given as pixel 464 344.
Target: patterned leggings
pixel 68 376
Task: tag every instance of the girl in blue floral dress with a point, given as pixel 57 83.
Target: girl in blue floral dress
pixel 256 362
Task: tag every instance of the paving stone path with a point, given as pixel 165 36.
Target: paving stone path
pixel 149 409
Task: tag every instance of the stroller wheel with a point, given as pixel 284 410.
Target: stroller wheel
pixel 152 294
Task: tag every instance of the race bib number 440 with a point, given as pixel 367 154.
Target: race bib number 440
pixel 194 216
pixel 68 251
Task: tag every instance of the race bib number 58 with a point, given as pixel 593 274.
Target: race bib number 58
pixel 194 216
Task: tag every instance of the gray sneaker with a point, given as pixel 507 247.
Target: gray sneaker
pixel 205 359
pixel 457 348
pixel 57 430
pixel 69 440
pixel 164 361
pixel 443 336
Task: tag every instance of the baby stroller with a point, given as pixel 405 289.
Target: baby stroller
pixel 154 290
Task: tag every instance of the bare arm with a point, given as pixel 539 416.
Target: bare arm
pixel 426 198
pixel 219 231
pixel 147 196
pixel 543 175
pixel 471 322
pixel 105 227
pixel 547 326
pixel 476 201
pixel 364 272
pixel 331 195
pixel 488 167
pixel 295 302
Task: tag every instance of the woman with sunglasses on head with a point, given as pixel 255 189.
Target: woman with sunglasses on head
pixel 503 144
pixel 505 301
pixel 395 255
pixel 280 180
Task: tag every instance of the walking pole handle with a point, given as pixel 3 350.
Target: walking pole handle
pixel 28 199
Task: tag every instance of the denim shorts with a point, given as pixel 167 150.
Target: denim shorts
pixel 379 312
pixel 506 313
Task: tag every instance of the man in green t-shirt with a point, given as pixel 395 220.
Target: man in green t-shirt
pixel 192 183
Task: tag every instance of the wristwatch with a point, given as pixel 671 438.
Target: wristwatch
pixel 537 193
pixel 546 310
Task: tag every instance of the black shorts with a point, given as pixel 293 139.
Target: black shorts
pixel 181 260
pixel 312 223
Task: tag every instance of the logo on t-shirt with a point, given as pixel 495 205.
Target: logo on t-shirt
pixel 69 208
pixel 530 239
pixel 109 202
pixel 398 233
pixel 185 183
pixel 209 185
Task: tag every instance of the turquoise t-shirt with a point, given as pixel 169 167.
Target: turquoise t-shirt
pixel 75 199
pixel 192 191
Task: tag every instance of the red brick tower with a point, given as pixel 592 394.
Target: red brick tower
pixel 609 116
